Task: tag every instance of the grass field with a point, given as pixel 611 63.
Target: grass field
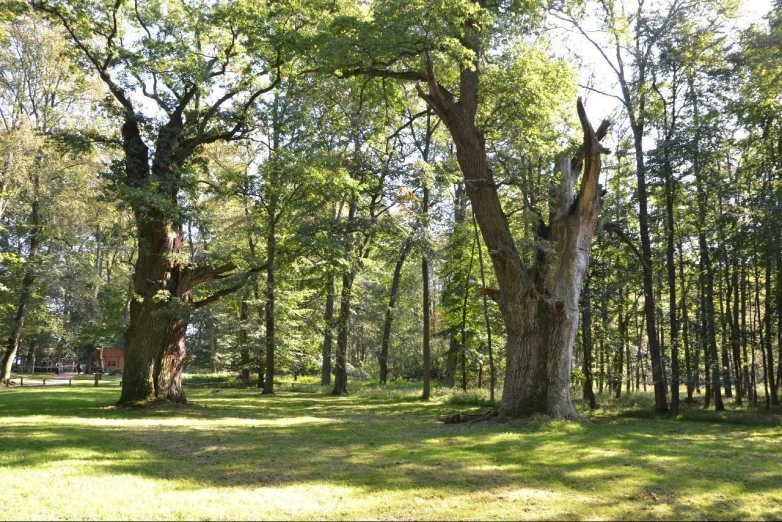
pixel 67 453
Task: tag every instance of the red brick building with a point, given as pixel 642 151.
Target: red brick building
pixel 113 358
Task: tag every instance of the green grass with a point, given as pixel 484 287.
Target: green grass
pixel 67 453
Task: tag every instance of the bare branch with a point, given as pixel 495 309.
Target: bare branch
pixel 603 93
pixel 102 71
pixel 615 227
pixel 243 279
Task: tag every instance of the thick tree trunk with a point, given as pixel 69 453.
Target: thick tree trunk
pixel 170 364
pixel 540 344
pixel 540 313
pixel 155 340
pixel 328 318
pixel 383 358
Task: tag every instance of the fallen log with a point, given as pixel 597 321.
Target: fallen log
pixel 459 418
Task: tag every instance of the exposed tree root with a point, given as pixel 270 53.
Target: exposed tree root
pixel 470 417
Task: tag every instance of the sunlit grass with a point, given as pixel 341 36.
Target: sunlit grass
pixel 67 453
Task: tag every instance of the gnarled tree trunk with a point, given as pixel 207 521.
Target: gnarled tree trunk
pixel 540 312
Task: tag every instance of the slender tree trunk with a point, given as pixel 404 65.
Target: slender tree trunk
pixel 724 329
pixel 261 351
pixel 425 149
pixel 328 318
pixel 343 332
pixel 383 359
pixel 271 255
pixel 212 342
pixel 765 331
pixel 453 289
pixel 485 312
pixel 671 273
pixel 586 335
pixel 708 279
pixel 29 363
pixel 628 374
pixel 713 361
pixel 733 314
pixel 603 333
pixel 619 362
pixel 427 320
pixel 660 398
pixel 244 350
pixel 769 360
pixel 450 363
pixel 343 322
pixel 26 289
pixel 463 328
pixel 743 334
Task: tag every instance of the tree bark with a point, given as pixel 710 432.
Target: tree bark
pixel 154 346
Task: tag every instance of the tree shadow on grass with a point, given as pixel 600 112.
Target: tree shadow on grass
pixel 240 439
